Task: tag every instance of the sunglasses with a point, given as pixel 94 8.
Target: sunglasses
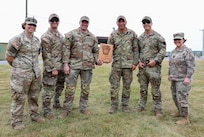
pixel 32 25
pixel 146 21
pixel 54 20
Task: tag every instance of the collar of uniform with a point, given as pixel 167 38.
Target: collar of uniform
pixel 181 49
pixel 123 33
pixel 53 32
pixel 79 31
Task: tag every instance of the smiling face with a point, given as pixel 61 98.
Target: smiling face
pixel 30 28
pixel 84 25
pixel 54 22
pixel 179 42
pixel 147 25
pixel 121 24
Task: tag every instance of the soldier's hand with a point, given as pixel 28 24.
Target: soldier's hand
pixel 55 72
pixel 152 63
pixel 133 67
pixel 186 81
pixel 66 68
pixel 99 62
pixel 169 78
pixel 141 65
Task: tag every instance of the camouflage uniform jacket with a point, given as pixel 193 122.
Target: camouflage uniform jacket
pixel 152 46
pixel 125 49
pixel 80 50
pixel 25 52
pixel 52 46
pixel 181 64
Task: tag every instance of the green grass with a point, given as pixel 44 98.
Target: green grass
pixel 102 124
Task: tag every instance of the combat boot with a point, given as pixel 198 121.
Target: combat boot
pixel 158 113
pixel 112 109
pixel 63 114
pixel 50 116
pixel 40 120
pixel 19 126
pixel 183 121
pixel 139 109
pixel 85 112
pixel 125 109
pixel 177 114
pixel 57 106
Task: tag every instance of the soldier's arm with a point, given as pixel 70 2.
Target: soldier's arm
pixel 190 61
pixel 9 59
pixel 96 52
pixel 12 49
pixel 162 50
pixel 46 54
pixel 66 48
pixel 136 50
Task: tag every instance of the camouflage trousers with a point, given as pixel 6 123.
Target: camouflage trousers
pixel 180 93
pixel 150 75
pixel 71 82
pixel 114 79
pixel 24 85
pixel 52 88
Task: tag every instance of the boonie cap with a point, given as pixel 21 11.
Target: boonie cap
pixel 84 18
pixel 121 17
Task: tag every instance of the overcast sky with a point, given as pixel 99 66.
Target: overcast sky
pixel 169 16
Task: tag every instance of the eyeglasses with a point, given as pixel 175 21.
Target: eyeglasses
pixel 32 25
pixel 146 21
pixel 54 20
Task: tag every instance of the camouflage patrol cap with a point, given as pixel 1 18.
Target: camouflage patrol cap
pixel 147 18
pixel 31 20
pixel 53 16
pixel 121 17
pixel 84 18
pixel 179 35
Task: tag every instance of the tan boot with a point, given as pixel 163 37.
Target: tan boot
pixel 85 112
pixel 125 109
pixel 50 116
pixel 158 113
pixel 177 114
pixel 57 106
pixel 63 114
pixel 139 109
pixel 40 120
pixel 19 126
pixel 113 109
pixel 183 121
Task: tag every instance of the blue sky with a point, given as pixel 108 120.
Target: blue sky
pixel 169 16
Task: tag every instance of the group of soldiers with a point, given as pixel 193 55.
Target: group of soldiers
pixel 75 54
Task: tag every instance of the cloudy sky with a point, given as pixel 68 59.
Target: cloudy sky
pixel 169 16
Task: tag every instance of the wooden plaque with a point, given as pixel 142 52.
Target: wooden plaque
pixel 105 52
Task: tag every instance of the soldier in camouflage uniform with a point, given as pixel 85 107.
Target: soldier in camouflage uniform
pixel 53 74
pixel 181 69
pixel 22 54
pixel 152 47
pixel 125 60
pixel 80 54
